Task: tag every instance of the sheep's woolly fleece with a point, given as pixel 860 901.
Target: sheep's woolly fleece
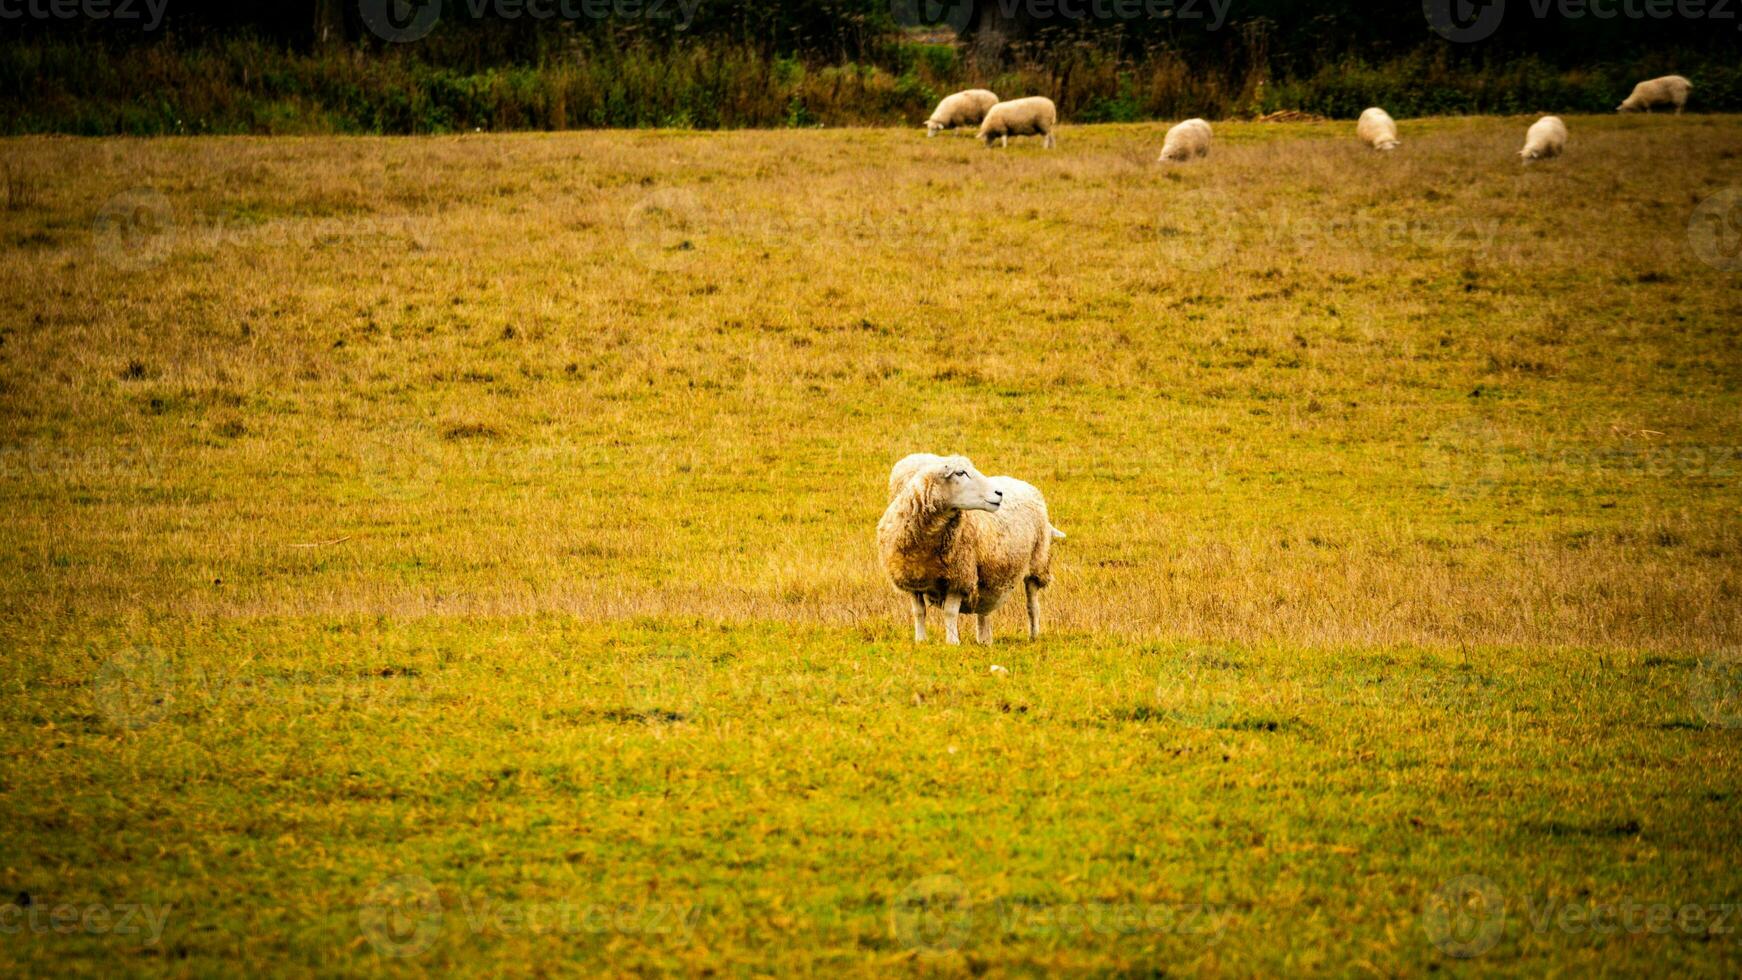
pixel 933 549
pixel 1033 116
pixel 1547 137
pixel 1668 90
pixel 1187 140
pixel 962 109
pixel 1377 129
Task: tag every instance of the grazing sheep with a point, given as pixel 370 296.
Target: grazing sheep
pixel 1377 129
pixel 1189 139
pixel 962 109
pixel 1033 116
pixel 1668 90
pixel 964 541
pixel 1547 137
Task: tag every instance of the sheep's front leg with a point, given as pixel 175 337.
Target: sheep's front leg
pixel 918 616
pixel 983 630
pixel 1033 609
pixel 1004 142
pixel 952 611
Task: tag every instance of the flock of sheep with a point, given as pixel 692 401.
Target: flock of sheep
pixel 1037 116
pixel 954 538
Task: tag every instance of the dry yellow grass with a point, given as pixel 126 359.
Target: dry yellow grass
pixel 634 374
pixel 455 555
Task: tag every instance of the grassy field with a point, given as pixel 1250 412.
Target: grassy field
pixel 457 554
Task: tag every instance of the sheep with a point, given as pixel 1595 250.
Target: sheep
pixel 1033 116
pixel 1189 139
pixel 1668 90
pixel 962 109
pixel 964 541
pixel 1547 137
pixel 1377 129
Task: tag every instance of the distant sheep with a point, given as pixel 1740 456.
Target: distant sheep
pixel 1668 90
pixel 1033 116
pixel 962 109
pixel 1185 141
pixel 964 541
pixel 1547 137
pixel 1377 129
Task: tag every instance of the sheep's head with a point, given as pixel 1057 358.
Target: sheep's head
pixel 1388 145
pixel 1627 105
pixel 955 483
pixel 932 126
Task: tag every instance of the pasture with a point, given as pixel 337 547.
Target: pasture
pixel 451 554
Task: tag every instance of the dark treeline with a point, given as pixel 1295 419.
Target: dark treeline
pixel 165 66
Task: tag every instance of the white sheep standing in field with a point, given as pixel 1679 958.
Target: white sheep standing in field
pixel 1668 90
pixel 1185 141
pixel 962 109
pixel 1033 116
pixel 1377 129
pixel 964 541
pixel 1547 137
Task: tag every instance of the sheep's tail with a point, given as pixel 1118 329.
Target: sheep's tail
pixel 1057 535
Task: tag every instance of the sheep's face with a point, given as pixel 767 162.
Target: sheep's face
pixel 962 487
pixel 932 127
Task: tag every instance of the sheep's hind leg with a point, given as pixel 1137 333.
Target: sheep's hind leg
pixel 918 616
pixel 983 630
pixel 952 612
pixel 1033 588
